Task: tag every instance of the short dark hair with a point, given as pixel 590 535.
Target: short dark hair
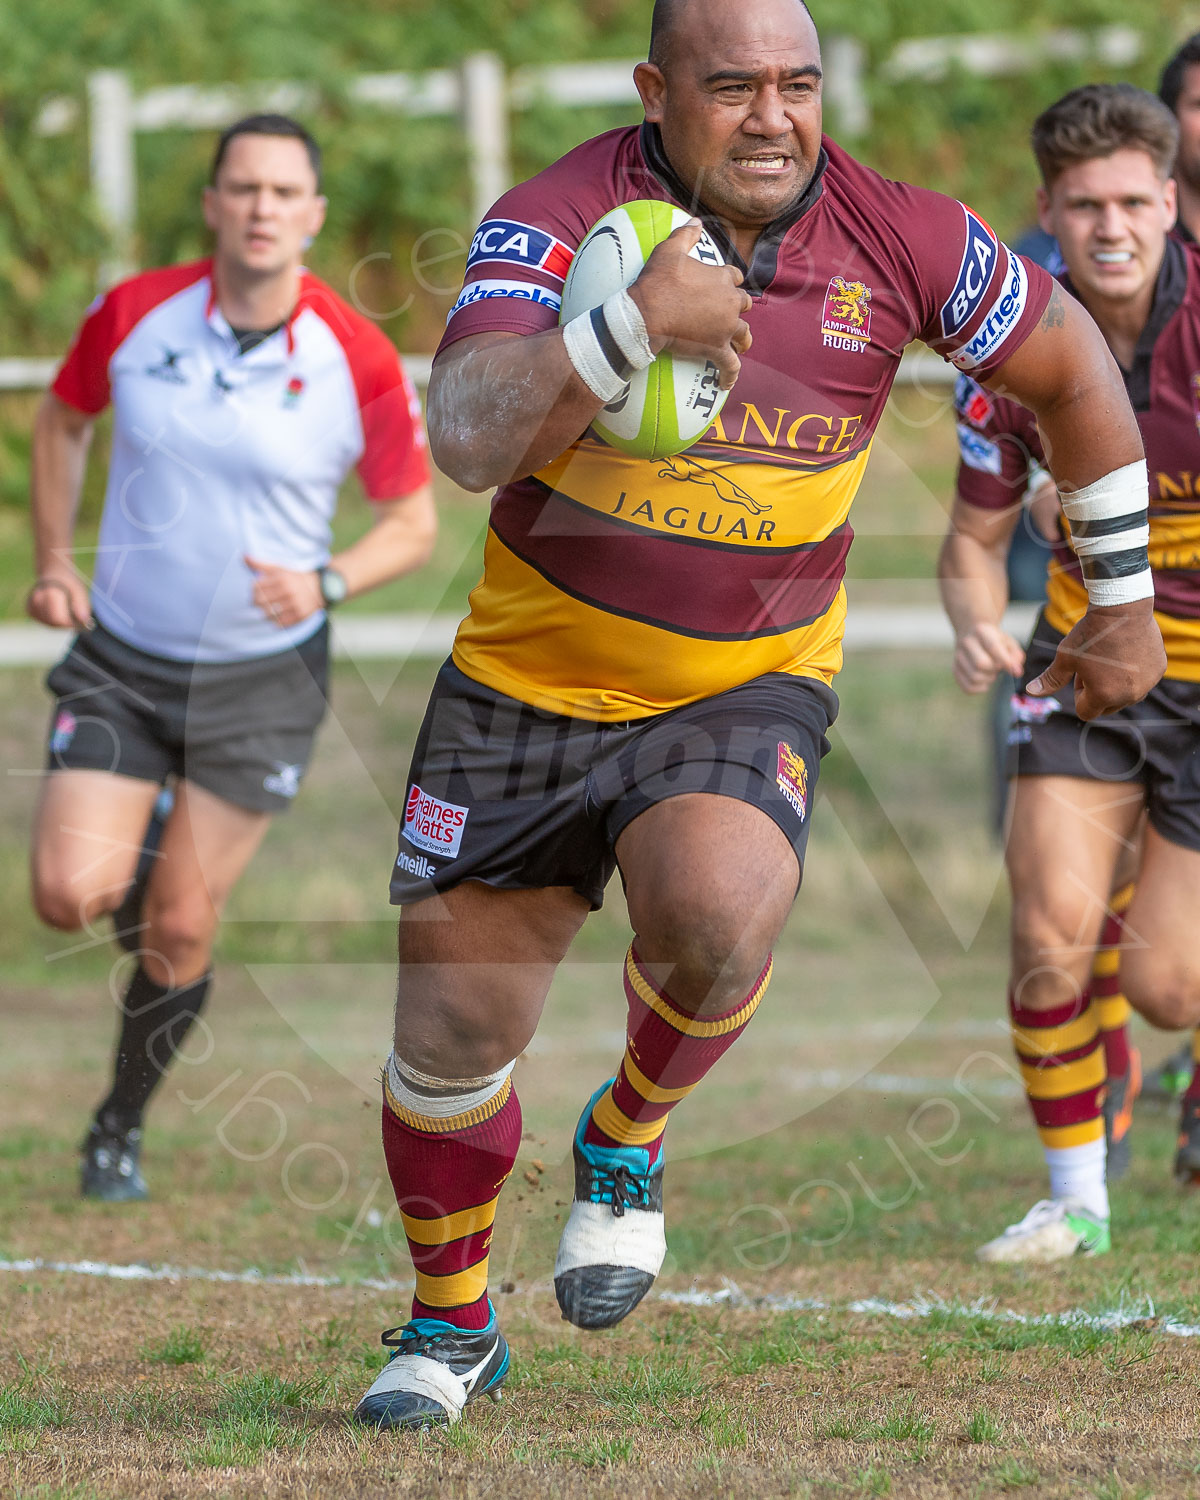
pixel 1170 85
pixel 267 125
pixel 1101 118
pixel 661 21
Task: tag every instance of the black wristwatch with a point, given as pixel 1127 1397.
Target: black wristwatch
pixel 334 587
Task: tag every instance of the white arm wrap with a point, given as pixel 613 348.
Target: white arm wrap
pixel 607 344
pixel 1110 531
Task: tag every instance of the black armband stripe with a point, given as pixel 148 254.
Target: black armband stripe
pixel 609 347
pixel 1115 564
pixel 1084 531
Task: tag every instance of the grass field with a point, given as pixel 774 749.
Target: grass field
pixel 837 1169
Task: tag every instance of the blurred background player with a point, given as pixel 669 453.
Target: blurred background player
pixel 1105 153
pixel 1179 89
pixel 243 391
pixel 630 689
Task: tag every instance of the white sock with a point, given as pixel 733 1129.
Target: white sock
pixel 1078 1172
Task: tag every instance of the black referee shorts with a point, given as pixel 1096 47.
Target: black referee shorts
pixel 1155 742
pixel 242 730
pixel 520 799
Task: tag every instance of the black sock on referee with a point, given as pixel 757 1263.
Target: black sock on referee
pixel 154 1022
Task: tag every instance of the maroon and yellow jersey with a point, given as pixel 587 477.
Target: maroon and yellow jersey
pixel 999 440
pixel 617 587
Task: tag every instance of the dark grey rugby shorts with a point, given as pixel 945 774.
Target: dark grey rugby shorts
pixel 1155 742
pixel 521 799
pixel 242 730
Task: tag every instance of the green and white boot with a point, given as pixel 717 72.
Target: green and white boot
pixel 1051 1230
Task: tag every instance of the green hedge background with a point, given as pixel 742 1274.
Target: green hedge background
pixel 400 187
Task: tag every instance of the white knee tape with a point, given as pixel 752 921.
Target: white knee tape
pixel 441 1098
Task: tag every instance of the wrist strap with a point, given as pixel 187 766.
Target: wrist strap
pixel 607 344
pixel 1110 532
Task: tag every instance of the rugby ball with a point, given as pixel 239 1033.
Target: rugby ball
pixel 670 404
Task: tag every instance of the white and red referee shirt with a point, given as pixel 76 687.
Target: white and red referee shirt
pixel 218 456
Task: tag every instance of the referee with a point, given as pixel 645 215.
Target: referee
pixel 243 391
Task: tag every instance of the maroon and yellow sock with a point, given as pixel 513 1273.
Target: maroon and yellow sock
pixel 1063 1067
pixel 1193 1089
pixel 449 1146
pixel 667 1052
pixel 1112 1008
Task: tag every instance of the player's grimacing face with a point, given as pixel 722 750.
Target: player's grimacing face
pixel 739 106
pixel 1111 217
pixel 264 206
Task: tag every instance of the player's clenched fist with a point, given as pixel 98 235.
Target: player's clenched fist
pixel 692 307
pixel 60 600
pixel 982 653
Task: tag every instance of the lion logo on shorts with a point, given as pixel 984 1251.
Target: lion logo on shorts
pixel 791 777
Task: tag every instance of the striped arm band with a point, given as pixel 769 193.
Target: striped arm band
pixel 607 345
pixel 1110 532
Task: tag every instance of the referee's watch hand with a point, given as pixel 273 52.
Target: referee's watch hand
pixel 60 599
pixel 285 596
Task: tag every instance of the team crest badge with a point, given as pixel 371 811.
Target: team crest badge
pixel 791 777
pixel 846 321
pixel 295 389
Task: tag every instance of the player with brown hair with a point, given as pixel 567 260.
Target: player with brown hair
pixel 1084 782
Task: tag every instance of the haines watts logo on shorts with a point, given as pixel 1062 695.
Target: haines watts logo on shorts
pixel 437 827
pixel 846 321
pixel 791 777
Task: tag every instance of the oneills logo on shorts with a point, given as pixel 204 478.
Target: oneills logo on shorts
pixel 421 868
pixel 846 320
pixel 437 827
pixel 791 777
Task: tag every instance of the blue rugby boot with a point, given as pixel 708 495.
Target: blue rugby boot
pixel 614 1241
pixel 111 1168
pixel 435 1370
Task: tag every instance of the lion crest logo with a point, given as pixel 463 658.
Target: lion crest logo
pixel 849 300
pixel 791 777
pixel 847 312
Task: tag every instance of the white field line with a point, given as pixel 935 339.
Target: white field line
pixel 1126 1315
pixel 250 1277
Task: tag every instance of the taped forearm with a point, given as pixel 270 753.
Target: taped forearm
pixel 1110 533
pixel 607 345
